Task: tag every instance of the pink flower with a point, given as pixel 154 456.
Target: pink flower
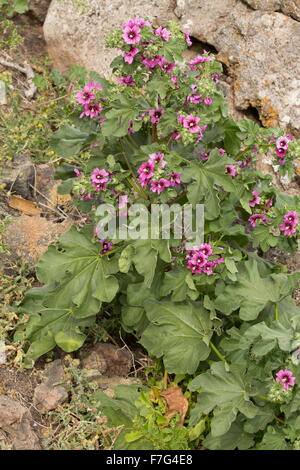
pixel 100 176
pixel 163 33
pixel 152 62
pixel 146 172
pixel 286 378
pixel 208 101
pixel 221 151
pixel 85 96
pixel 207 269
pixel 77 172
pixel 199 259
pixel 158 158
pixel 199 60
pixel 255 217
pixel 137 22
pixel 196 99
pixel 206 249
pixel 187 38
pixel 99 186
pixel 106 247
pixel 156 114
pixel 129 56
pixel 126 80
pixel 93 86
pixel 175 135
pixel 174 79
pixel 204 156
pixel 131 34
pixel 216 77
pixel 292 217
pixel 157 186
pixel 175 179
pixel 123 200
pixel 191 123
pixel 282 143
pixel 230 170
pixel 91 109
pixel 280 152
pixel 167 66
pixel 194 268
pixel 269 203
pixel 287 228
pixel 255 200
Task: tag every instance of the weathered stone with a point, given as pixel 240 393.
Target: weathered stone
pixel 77 36
pixel 28 237
pixel 16 423
pixel 49 394
pixel 39 8
pixel 260 48
pixel 107 359
pixel 288 7
pixel 261 51
pixel 18 176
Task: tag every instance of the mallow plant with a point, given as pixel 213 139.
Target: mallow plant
pixel 214 310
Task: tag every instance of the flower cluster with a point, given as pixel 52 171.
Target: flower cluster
pixel 99 179
pixel 202 260
pixel 290 222
pixel 282 145
pixel 106 247
pixel 87 98
pixel 152 173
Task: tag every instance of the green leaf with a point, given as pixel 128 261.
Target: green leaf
pixel 226 393
pixel 235 438
pixel 77 281
pixel 263 237
pixel 68 141
pixel 180 332
pixel 273 439
pixel 232 142
pixel 207 177
pixel 264 416
pixel 251 293
pixel 180 283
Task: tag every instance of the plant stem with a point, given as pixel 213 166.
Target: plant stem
pixel 276 312
pixel 280 420
pixel 213 347
pixel 263 398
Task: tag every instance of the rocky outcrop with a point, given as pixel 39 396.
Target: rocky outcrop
pixel 257 40
pixel 51 392
pixel 16 425
pixel 28 237
pixel 38 9
pixel 288 7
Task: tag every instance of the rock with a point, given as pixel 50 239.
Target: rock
pixel 106 358
pixel 19 175
pixel 260 48
pixel 16 423
pixel 261 51
pixel 46 190
pixel 49 394
pixel 288 7
pixel 39 8
pixel 28 237
pixel 108 384
pixel 77 36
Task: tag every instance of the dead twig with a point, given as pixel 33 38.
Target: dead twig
pixel 26 70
